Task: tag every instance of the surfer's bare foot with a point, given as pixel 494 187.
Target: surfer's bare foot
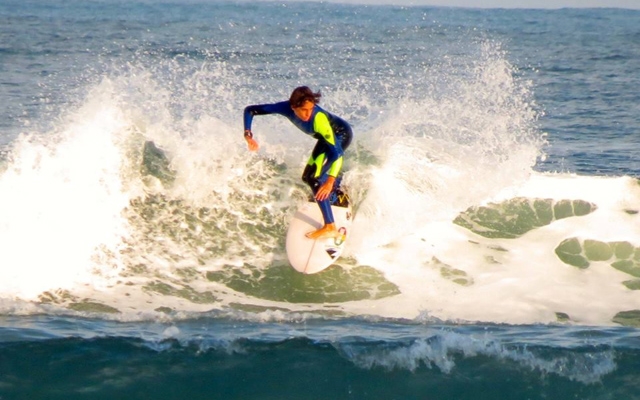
pixel 327 231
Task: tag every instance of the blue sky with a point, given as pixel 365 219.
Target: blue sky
pixel 630 4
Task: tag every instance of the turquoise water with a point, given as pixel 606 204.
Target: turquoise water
pixel 213 357
pixel 495 250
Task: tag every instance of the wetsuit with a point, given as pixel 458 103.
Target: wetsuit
pixel 333 134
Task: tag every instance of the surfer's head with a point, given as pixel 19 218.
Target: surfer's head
pixel 302 101
pixel 301 95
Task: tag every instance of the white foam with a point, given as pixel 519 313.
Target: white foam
pixel 527 282
pixel 61 201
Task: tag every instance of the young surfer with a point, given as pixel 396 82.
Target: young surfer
pixel 334 136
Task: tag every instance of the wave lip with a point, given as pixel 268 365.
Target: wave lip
pixel 445 350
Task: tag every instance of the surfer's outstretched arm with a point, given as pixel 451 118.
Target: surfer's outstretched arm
pixel 260 109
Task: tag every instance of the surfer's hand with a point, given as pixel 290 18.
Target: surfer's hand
pixel 325 190
pixel 251 142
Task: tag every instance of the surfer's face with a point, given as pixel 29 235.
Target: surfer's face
pixel 304 111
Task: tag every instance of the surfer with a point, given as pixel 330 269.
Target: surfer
pixel 323 168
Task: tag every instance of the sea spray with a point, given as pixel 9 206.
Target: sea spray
pixel 62 202
pixel 445 149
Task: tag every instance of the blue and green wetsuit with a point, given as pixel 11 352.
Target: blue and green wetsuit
pixel 333 134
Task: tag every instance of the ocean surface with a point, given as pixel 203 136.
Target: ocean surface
pixel 494 174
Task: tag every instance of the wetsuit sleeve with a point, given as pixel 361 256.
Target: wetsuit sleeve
pixel 263 109
pixel 323 128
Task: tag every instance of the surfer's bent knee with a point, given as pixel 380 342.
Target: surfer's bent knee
pixel 308 177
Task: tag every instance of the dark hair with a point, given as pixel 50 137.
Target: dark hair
pixel 301 94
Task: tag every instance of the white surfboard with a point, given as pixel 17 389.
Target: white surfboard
pixel 310 256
